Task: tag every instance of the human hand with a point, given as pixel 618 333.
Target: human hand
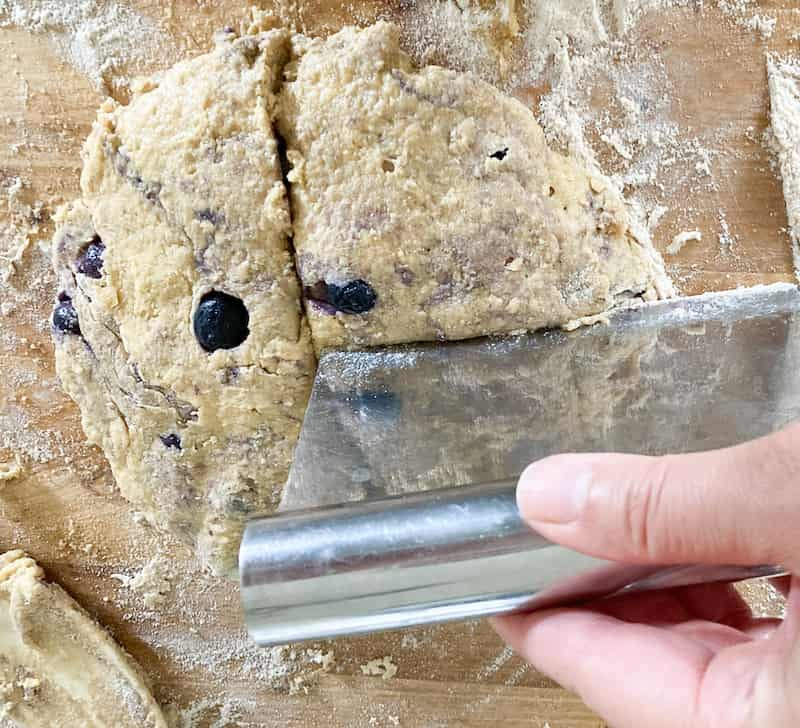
pixel 688 657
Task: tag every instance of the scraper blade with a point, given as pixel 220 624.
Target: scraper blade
pixel 400 506
pixel 677 376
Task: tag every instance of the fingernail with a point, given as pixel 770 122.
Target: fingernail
pixel 554 490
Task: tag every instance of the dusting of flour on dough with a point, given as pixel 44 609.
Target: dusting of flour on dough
pixel 465 35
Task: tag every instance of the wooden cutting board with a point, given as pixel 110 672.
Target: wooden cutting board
pixel 63 508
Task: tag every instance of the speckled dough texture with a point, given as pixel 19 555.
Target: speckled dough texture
pixel 58 668
pixel 183 186
pixel 440 193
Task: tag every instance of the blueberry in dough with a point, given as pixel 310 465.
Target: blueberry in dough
pixel 355 297
pixel 171 440
pixel 65 317
pixel 221 321
pixel 90 261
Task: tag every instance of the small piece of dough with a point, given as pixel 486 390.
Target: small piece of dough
pixel 10 470
pixel 58 668
pixel 440 193
pixel 784 94
pixel 681 239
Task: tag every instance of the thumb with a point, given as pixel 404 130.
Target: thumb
pixel 739 505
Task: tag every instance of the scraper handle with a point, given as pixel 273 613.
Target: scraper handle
pixel 442 555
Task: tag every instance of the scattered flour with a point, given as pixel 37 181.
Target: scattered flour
pixel 581 25
pixel 655 216
pixel 490 668
pixel 761 24
pixel 382 667
pixel 208 713
pixel 100 39
pixel 741 13
pixel 727 240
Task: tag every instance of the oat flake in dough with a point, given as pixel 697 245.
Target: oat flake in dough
pixel 58 668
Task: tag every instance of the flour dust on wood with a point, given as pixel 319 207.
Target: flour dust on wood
pixel 100 39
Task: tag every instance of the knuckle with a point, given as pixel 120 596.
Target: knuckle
pixel 642 510
pixel 784 455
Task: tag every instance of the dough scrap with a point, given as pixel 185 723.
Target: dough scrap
pixel 784 93
pixel 440 193
pixel 58 668
pixel 184 188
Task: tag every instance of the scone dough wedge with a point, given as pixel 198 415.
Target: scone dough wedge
pixel 427 205
pixel 179 328
pixel 58 668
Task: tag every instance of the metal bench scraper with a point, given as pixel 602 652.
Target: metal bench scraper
pixel 400 510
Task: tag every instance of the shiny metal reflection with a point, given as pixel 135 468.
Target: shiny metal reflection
pixel 389 433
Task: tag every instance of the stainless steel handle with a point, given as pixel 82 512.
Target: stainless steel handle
pixel 438 556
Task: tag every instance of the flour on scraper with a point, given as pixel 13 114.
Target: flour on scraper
pixel 58 668
pixel 178 324
pixel 426 204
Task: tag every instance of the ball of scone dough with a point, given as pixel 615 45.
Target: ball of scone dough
pixel 179 328
pixel 426 204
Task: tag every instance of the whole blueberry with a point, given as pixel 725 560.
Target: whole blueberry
pixel 65 317
pixel 354 297
pixel 171 440
pixel 221 321
pixel 90 260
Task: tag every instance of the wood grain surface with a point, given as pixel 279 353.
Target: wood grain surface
pixel 63 508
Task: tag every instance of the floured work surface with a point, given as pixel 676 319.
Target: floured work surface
pixel 677 115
